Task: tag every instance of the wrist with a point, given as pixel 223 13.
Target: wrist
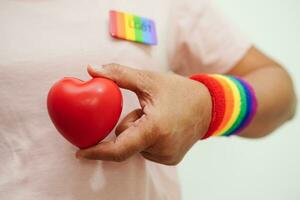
pixel 204 101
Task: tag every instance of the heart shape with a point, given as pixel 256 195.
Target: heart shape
pixel 84 112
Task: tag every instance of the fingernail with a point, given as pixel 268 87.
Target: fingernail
pixel 94 67
pixel 106 64
pixel 78 155
pixel 95 71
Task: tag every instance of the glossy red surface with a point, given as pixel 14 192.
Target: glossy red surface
pixel 84 112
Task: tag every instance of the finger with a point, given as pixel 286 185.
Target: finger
pixel 131 141
pixel 126 77
pixel 128 120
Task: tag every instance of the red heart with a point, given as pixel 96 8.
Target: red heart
pixel 84 112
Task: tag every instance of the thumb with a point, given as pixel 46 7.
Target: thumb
pixel 125 77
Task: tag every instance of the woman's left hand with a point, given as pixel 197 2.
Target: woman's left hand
pixel 175 113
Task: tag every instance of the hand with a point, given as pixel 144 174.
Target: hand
pixel 175 113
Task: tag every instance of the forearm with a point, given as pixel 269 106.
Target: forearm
pixel 276 100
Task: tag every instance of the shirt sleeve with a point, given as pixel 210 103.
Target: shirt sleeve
pixel 202 40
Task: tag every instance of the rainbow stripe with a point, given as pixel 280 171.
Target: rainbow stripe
pixel 240 103
pixel 244 104
pixel 131 27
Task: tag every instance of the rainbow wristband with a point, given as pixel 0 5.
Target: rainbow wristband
pixel 234 103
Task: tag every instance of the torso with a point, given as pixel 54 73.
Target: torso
pixel 41 42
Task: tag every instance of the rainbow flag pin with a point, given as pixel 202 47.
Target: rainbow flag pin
pixel 131 27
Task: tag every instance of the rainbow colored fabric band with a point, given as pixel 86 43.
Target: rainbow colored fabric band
pixel 131 27
pixel 237 110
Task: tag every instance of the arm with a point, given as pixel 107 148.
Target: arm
pixel 176 112
pixel 274 91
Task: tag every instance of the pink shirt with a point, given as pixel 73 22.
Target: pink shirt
pixel 43 41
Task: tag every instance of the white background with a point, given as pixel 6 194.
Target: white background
pixel 243 169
